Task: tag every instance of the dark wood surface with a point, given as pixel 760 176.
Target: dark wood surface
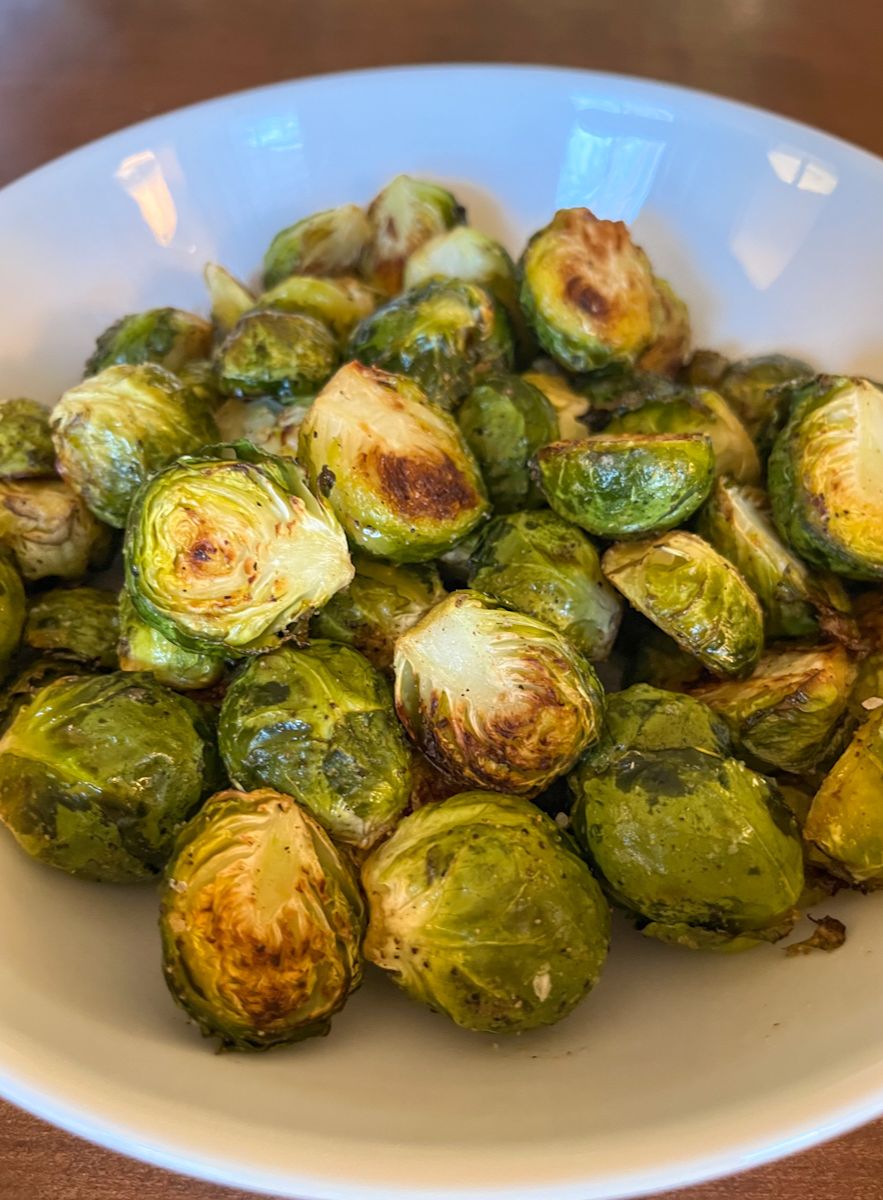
pixel 72 70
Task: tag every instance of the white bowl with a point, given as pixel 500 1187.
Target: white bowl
pixel 680 1066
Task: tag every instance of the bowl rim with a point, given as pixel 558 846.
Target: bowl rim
pixel 833 1108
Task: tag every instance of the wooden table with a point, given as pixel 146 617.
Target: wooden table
pixel 71 70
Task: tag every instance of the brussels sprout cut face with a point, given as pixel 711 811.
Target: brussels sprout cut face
pixel 50 531
pixel 494 697
pixel 405 215
pixel 383 601
pixel 845 822
pixel 12 611
pixel 225 552
pixel 694 595
pixel 166 336
pixel 797 602
pixel 395 469
pixel 75 623
pixel 98 773
pixel 26 450
pixel 261 922
pixel 143 648
pixel 480 909
pixel 116 429
pixel 545 567
pixel 464 253
pixel 445 336
pixel 326 243
pixel 280 355
pixel 825 479
pixel 785 715
pixel 504 420
pixel 626 485
pixel 338 303
pixel 588 291
pixel 319 724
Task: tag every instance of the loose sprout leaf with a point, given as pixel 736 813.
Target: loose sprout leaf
pixel 829 934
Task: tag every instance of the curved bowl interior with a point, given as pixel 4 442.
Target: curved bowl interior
pixel 680 1065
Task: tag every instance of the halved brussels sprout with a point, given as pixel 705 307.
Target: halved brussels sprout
pixel 445 335
pixel 571 408
pixel 480 908
pixel 395 469
pixel 227 550
pixel 617 390
pixel 845 822
pixel 26 450
pixel 261 922
pixel 143 648
pixel 694 595
pixel 97 774
pixel 698 847
pixel 867 691
pixel 495 697
pixel 230 299
pixel 327 243
pixel 19 690
pixel 753 387
pixel 75 623
pixel 12 611
pixel 319 724
pixel 383 601
pixel 626 485
pixel 340 303
pixel 282 356
pixel 404 216
pixel 784 716
pixel 504 421
pixel 270 426
pixel 825 479
pixel 657 659
pixel 589 292
pixel 706 368
pixel 115 430
pixel 671 342
pixel 701 411
pixel 50 531
pixel 168 337
pixel 545 567
pixel 796 602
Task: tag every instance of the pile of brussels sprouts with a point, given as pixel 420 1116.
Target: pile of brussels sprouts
pixel 379 519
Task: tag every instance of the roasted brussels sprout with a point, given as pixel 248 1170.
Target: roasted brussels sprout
pixel 199 376
pixel 824 476
pixel 785 715
pixel 383 601
pixel 395 469
pixel 319 724
pixel 845 822
pixel 115 430
pixel 326 243
pixel 26 450
pixel 403 217
pixel 504 421
pixel 656 658
pixel 261 922
pixel 12 611
pixel 867 691
pixel 143 648
pixel 693 594
pixel 626 485
pixel 166 336
pixel 495 697
pixel 588 292
pixel 479 908
pixel 706 368
pixel 229 298
pixel 571 408
pixel 445 336
pixel 98 773
pixel 671 342
pixel 282 356
pixel 270 426
pixel 796 602
pixel 340 303
pixel 225 551
pixel 75 623
pixel 50 531
pixel 18 690
pixel 701 411
pixel 753 386
pixel 545 567
pixel 698 847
